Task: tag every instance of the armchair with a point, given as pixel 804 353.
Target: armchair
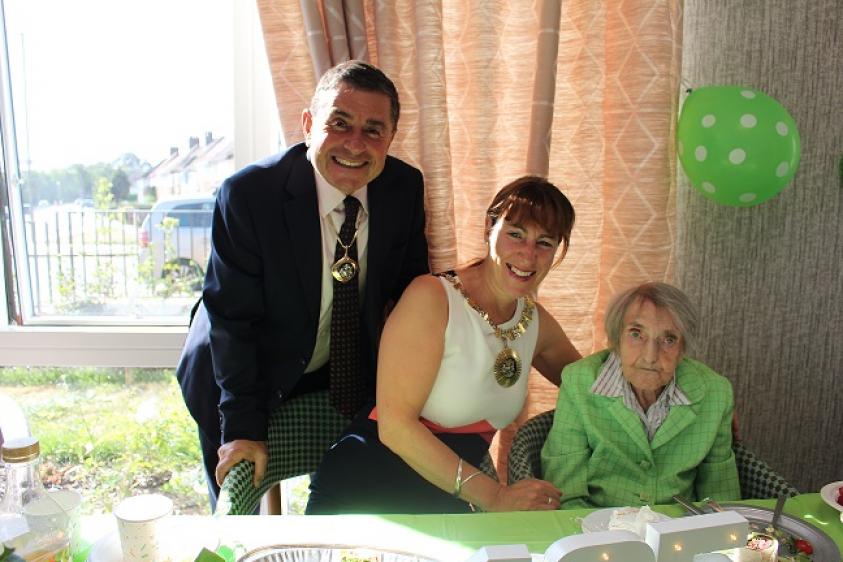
pixel 757 479
pixel 310 425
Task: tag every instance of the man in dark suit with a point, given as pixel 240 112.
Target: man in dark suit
pixel 262 333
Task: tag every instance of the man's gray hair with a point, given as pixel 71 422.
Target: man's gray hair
pixel 664 296
pixel 361 76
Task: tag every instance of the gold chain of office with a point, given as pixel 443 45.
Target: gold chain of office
pixel 507 369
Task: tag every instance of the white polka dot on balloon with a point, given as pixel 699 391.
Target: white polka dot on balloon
pixel 782 128
pixel 709 121
pixel 737 156
pixel 747 197
pixel 708 187
pixel 748 120
pixel 782 169
pixel 748 94
pixel 700 153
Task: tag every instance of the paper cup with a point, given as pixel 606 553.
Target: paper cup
pixel 57 513
pixel 140 522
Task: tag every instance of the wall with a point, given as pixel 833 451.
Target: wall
pixel 769 279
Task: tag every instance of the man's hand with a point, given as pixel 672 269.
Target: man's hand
pixel 242 449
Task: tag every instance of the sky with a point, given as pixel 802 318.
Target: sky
pixel 93 79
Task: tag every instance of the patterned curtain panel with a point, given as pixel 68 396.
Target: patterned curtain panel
pixel 583 92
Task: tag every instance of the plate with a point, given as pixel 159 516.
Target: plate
pixel 325 553
pixel 825 549
pixel 597 521
pixel 181 541
pixel 829 494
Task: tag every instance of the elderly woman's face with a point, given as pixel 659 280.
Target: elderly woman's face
pixel 650 346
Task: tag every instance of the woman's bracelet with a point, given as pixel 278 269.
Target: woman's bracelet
pixel 460 483
pixel 469 477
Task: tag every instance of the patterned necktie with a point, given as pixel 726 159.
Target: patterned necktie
pixel 347 390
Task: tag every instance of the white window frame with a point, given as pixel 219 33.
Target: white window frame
pixel 256 134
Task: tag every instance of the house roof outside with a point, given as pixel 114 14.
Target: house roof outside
pixel 193 172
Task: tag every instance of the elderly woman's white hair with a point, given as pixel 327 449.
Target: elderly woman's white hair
pixel 664 296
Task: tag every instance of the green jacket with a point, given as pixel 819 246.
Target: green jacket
pixel 598 454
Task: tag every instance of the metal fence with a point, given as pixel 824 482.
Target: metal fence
pixel 83 260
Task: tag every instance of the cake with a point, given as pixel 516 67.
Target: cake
pixel 633 519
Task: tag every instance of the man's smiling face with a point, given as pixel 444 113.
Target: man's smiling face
pixel 348 136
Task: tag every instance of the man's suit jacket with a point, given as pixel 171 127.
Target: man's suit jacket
pixel 255 331
pixel 598 454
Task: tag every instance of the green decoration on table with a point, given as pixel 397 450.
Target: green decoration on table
pixel 226 553
pixel 7 554
pixel 206 555
pixel 738 145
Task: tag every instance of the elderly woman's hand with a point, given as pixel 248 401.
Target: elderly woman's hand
pixel 527 495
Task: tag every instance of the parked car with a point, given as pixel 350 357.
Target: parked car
pixel 176 236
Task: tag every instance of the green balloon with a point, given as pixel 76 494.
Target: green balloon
pixel 739 146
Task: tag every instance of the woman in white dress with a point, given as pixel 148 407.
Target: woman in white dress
pixel 453 365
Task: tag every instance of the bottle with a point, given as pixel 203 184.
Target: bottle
pixel 24 488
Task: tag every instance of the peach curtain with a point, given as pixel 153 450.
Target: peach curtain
pixel 583 92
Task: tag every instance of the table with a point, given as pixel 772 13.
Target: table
pixel 444 537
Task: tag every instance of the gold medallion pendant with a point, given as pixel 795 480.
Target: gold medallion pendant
pixel 344 269
pixel 507 367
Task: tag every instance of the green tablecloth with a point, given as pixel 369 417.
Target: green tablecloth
pixel 446 537
pixel 539 529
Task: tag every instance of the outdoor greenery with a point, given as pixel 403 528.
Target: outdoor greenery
pixel 95 275
pixel 81 181
pixel 178 277
pixel 112 433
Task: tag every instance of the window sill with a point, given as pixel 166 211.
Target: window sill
pixel 151 347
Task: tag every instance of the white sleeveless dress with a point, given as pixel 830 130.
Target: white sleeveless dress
pixel 465 390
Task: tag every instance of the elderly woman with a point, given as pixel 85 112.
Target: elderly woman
pixel 640 422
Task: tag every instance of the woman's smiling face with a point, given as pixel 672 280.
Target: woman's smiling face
pixel 523 253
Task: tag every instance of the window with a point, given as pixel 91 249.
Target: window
pixel 118 122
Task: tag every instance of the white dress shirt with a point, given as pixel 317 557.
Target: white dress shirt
pixel 331 217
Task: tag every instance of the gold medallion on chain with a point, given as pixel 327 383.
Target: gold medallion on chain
pixel 345 268
pixel 507 368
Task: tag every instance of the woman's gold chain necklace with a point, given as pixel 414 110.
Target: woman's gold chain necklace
pixel 507 368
